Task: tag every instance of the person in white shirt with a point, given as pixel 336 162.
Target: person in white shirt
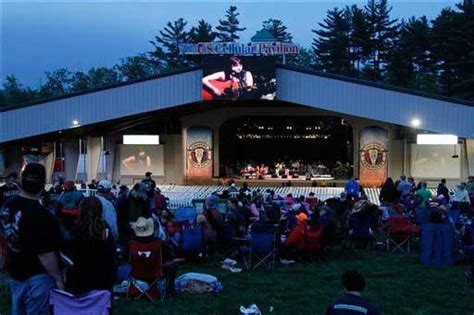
pixel 460 198
pixel 109 214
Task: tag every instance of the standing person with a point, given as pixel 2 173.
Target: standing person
pixel 412 183
pixel 33 243
pixel 10 189
pixel 150 184
pixel 460 198
pixel 352 302
pixel 160 201
pixel 92 251
pixel 109 214
pixel 404 187
pixel 443 190
pixel 424 195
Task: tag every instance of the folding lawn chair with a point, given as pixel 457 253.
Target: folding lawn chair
pixel 96 302
pixel 191 240
pixel 185 215
pixel 400 233
pixel 313 238
pixel 146 275
pixel 263 238
pixel 222 207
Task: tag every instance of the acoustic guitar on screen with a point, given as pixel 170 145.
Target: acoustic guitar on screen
pixel 227 90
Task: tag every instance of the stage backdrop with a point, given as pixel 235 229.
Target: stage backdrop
pixel 199 155
pixel 373 156
pixel 238 78
pixel 139 159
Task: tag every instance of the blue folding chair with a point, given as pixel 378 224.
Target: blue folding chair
pixel 222 207
pixel 454 215
pixel 191 240
pixel 437 245
pixel 185 215
pixel 262 246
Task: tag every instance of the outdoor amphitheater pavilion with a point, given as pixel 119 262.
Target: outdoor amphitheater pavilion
pixel 314 117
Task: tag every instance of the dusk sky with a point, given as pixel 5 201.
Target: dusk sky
pixel 39 36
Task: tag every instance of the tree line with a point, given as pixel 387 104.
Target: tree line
pixel 434 56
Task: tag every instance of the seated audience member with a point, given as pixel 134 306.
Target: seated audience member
pixel 312 201
pixel 352 302
pixel 67 207
pixel 360 224
pixel 256 207
pixel 236 217
pixel 160 201
pixel 295 242
pixel 130 208
pixel 424 195
pixel 389 193
pixel 443 190
pixel 144 231
pixel 92 251
pixel 109 214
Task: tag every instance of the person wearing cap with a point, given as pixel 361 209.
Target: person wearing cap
pixel 149 183
pixel 109 214
pixel 296 240
pixel 67 208
pixel 33 244
pixel 352 302
pixel 10 189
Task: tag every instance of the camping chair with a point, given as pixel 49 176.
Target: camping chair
pixel 185 215
pixel 225 244
pixel 96 302
pixel 313 239
pixel 262 246
pixel 146 275
pixel 198 205
pixel 191 240
pixel 400 233
pixel 437 243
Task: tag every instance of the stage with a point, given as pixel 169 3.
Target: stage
pixel 274 182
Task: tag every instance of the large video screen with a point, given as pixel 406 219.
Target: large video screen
pixel 139 159
pixel 238 78
pixel 435 161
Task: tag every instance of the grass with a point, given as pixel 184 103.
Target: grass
pixel 397 284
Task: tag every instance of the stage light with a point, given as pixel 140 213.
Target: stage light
pixel 415 122
pixel 141 139
pixel 436 139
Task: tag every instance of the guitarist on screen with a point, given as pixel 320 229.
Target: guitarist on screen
pixel 228 84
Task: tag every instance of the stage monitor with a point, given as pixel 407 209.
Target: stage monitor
pixel 139 159
pixel 238 78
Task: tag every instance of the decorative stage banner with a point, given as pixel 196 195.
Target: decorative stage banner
pixel 373 166
pixel 199 150
pixel 238 78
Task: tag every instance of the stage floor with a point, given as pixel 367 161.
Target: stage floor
pixel 300 182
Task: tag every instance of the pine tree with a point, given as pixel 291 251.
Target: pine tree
pixel 332 44
pixel 229 27
pixel 202 33
pixel 166 44
pixel 444 49
pixel 278 30
pixel 383 31
pixel 410 63
pixel 136 67
pixel 359 36
pixel 14 92
pixel 464 47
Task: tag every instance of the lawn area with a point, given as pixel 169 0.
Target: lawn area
pixel 397 284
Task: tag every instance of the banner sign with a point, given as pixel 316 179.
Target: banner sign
pixel 239 49
pixel 199 155
pixel 373 168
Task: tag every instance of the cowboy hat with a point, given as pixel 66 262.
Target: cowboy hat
pixel 143 227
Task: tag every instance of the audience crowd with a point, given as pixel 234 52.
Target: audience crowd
pixel 64 239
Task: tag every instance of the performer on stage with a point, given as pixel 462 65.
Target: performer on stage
pixel 228 83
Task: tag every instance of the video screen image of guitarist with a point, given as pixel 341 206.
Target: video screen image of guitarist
pixel 238 78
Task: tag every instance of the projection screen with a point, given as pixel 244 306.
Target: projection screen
pixel 435 161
